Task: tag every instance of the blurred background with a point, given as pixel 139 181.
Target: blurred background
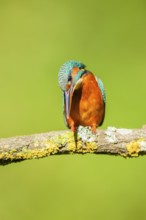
pixel 36 38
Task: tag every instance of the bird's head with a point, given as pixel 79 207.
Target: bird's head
pixel 70 79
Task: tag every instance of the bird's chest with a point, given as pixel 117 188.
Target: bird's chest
pixel 85 103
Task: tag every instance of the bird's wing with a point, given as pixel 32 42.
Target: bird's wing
pixel 101 87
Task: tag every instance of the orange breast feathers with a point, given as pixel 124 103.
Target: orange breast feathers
pixel 87 108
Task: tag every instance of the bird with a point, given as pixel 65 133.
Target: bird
pixel 84 97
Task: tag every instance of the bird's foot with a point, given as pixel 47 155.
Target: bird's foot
pixel 73 128
pixel 93 128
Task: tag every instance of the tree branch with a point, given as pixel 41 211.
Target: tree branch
pixel 124 142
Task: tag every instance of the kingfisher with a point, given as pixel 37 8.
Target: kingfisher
pixel 84 96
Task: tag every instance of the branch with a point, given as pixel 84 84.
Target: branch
pixel 124 142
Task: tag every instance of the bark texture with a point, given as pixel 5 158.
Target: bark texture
pixel 112 141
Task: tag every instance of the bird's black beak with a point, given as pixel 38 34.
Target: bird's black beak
pixel 69 95
pixel 68 100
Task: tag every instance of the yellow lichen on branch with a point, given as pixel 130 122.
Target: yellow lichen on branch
pixel 112 141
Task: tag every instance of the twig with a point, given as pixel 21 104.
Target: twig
pixel 124 142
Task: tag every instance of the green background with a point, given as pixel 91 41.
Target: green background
pixel 36 38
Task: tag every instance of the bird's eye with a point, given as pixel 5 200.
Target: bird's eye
pixel 69 78
pixel 68 85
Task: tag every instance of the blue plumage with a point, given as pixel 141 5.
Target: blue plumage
pixel 101 86
pixel 65 72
